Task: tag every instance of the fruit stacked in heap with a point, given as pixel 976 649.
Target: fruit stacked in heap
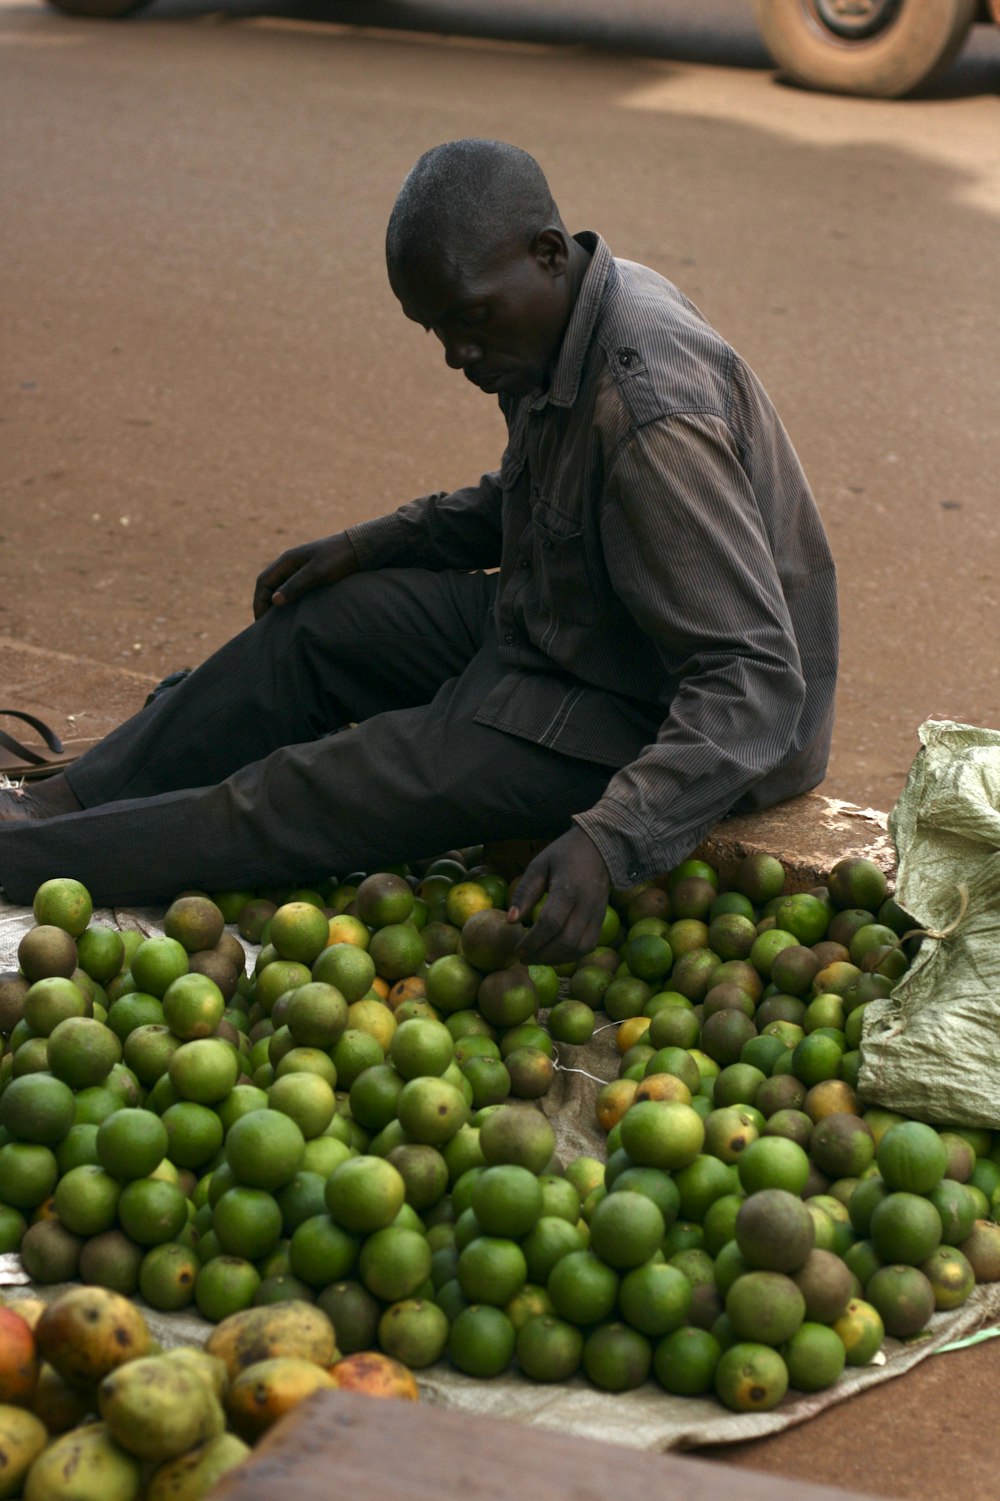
pixel 91 1410
pixel 340 1127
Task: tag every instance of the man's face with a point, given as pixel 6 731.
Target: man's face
pixel 500 320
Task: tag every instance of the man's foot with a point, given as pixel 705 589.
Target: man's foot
pixel 14 807
pixel 47 798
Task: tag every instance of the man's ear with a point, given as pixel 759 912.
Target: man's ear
pixel 550 248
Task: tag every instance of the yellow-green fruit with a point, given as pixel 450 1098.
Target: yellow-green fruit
pixel 89 1331
pixel 59 1405
pixel 265 1391
pixel 211 1370
pixel 191 1476
pixel 85 1465
pixel 295 1329
pixel 157 1409
pixel 22 1439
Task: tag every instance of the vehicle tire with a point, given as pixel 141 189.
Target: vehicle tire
pixel 105 10
pixel 881 48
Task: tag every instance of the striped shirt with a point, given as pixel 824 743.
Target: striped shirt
pixel 667 600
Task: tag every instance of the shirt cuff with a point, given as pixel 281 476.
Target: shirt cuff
pixel 630 850
pixel 621 840
pixel 378 543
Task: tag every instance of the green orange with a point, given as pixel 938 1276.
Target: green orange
pixel 64 903
pixel 299 931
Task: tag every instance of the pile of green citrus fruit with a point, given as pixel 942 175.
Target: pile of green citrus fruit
pixel 350 1122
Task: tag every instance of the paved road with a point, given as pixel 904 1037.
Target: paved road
pixel 202 361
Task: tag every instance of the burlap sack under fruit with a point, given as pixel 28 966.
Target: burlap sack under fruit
pixel 932 1049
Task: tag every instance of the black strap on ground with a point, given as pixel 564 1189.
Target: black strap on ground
pixel 10 743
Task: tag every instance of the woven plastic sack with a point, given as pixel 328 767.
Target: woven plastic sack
pixel 932 1048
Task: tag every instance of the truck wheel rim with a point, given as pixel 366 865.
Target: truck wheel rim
pixel 855 20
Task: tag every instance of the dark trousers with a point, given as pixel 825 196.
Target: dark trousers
pixel 236 776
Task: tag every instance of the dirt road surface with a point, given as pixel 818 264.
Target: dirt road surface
pixel 203 363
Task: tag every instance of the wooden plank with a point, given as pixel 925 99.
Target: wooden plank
pixel 342 1444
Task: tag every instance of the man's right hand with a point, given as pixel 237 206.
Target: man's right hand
pixel 303 568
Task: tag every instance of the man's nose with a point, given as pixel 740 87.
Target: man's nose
pixel 461 354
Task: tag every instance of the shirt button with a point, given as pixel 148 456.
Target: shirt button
pixel 524 563
pixel 633 876
pixel 509 638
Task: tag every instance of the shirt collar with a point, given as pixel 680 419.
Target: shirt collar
pixel 565 382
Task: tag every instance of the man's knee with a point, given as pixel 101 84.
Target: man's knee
pixel 322 616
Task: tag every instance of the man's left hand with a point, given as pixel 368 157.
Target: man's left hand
pixel 573 873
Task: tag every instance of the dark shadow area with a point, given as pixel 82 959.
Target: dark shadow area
pixel 719 32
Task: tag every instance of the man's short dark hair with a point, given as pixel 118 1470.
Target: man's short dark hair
pixel 474 193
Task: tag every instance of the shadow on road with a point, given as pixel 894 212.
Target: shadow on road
pixel 718 33
pixel 721 34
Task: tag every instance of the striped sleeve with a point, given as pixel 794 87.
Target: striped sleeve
pixel 456 529
pixel 688 554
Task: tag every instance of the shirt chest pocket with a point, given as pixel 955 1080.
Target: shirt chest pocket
pixel 560 564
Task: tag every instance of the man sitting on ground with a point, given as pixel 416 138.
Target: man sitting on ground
pixel 657 646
